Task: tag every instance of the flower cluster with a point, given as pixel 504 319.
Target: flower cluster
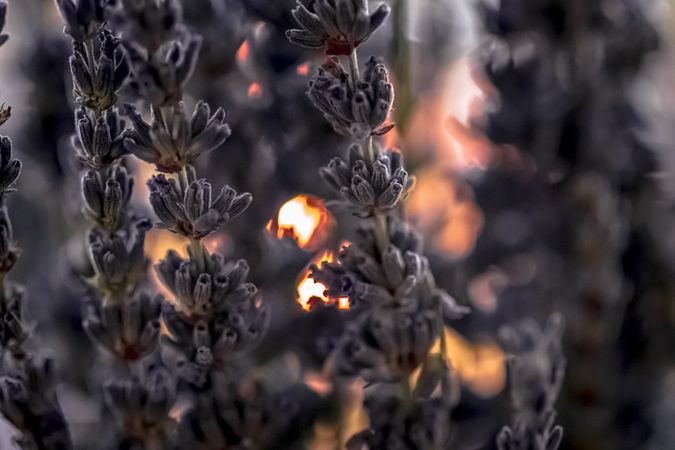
pixel 369 188
pixel 172 141
pixel 336 26
pixel 84 18
pixel 354 107
pixel 537 372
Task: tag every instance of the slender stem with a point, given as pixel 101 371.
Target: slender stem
pixel 197 253
pixel 354 68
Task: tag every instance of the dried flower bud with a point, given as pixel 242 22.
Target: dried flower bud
pixel 337 26
pixel 369 188
pixel 128 329
pixel 106 197
pixel 159 77
pixel 13 329
pixel 99 139
pixel 5 113
pixel 141 407
pixel 148 22
pixel 118 260
pixel 358 109
pixel 3 17
pixel 171 141
pixel 186 206
pixel 96 86
pixel 9 253
pixel 84 18
pixel 9 168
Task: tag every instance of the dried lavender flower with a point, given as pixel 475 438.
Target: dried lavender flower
pixel 537 371
pixel 172 141
pixel 95 83
pixel 9 168
pixel 105 202
pixel 357 108
pixel 5 113
pixel 13 329
pixel 369 188
pixel 117 259
pixel 148 23
pixel 186 206
pixel 129 330
pixel 9 253
pixel 3 17
pixel 99 138
pixel 337 26
pixel 84 18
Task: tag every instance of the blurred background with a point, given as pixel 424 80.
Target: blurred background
pixel 540 132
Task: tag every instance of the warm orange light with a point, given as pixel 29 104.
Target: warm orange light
pixel 255 90
pixel 310 291
pixel 304 219
pixel 157 244
pixel 303 69
pixel 480 366
pixel 242 51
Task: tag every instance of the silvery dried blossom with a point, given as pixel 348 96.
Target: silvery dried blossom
pixel 117 259
pixel 28 401
pixel 369 187
pixel 337 26
pixel 187 207
pixel 9 168
pixel 148 22
pixel 5 113
pixel 99 139
pixel 3 16
pixel 84 18
pixel 95 83
pixel 204 289
pixel 357 108
pixel 128 329
pixel 172 141
pixel 13 329
pixel 537 372
pixel 159 77
pixel 141 407
pixel 106 197
pixel 9 253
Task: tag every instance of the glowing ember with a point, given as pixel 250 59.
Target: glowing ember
pixel 303 69
pixel 255 90
pixel 304 219
pixel 310 291
pixel 242 51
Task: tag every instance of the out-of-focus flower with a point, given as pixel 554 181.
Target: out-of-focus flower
pixel 128 329
pixel 9 168
pixel 5 113
pixel 13 329
pixel 99 140
pixel 95 83
pixel 186 206
pixel 357 108
pixel 9 253
pixel 172 141
pixel 148 23
pixel 84 18
pixel 105 202
pixel 118 260
pixel 369 187
pixel 337 26
pixel 3 17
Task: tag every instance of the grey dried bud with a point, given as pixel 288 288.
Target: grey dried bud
pixel 95 84
pixel 172 141
pixel 5 113
pixel 84 18
pixel 9 253
pixel 118 260
pixel 148 23
pixel 9 168
pixel 186 206
pixel 106 195
pixel 141 407
pixel 3 17
pixel 13 329
pixel 160 76
pixel 358 109
pixel 28 401
pixel 369 188
pixel 99 139
pixel 337 26
pixel 128 329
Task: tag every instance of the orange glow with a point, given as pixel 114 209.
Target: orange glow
pixel 305 219
pixel 242 51
pixel 303 69
pixel 318 383
pixel 255 90
pixel 310 291
pixel 444 209
pixel 480 366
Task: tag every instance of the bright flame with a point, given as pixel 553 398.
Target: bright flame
pixel 242 51
pixel 480 366
pixel 255 90
pixel 304 219
pixel 310 291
